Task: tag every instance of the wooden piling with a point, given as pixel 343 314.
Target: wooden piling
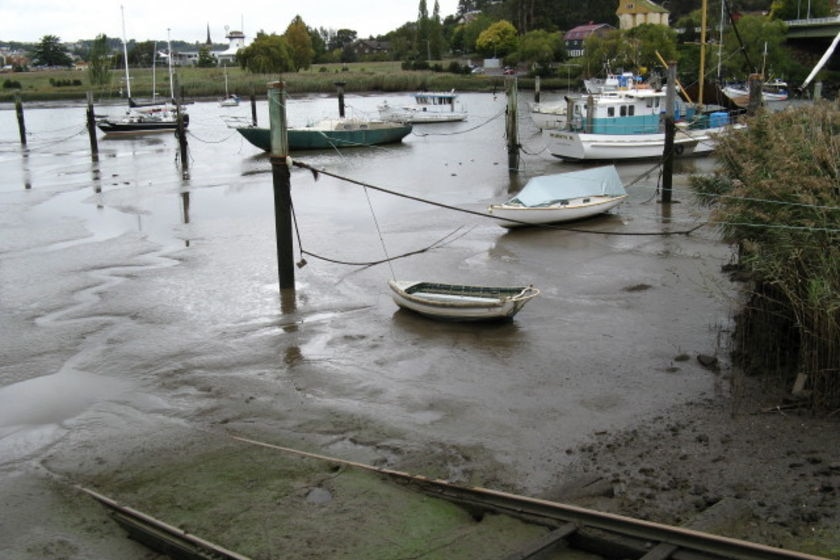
pixel 340 86
pixel 253 108
pixel 670 132
pixel 511 128
pixel 281 176
pixel 537 89
pixel 21 123
pixel 91 127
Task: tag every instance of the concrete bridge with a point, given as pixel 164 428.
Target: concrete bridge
pixel 813 28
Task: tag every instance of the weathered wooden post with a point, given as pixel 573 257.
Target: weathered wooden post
pixel 511 128
pixel 21 123
pixel 181 131
pixel 282 187
pixel 91 127
pixel 670 132
pixel 340 86
pixel 537 89
pixel 253 108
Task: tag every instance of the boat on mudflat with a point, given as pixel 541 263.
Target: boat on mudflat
pixel 456 302
pixel 562 197
pixel 331 133
pixel 629 124
pixel 428 107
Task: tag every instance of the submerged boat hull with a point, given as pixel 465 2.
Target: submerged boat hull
pixel 454 302
pixel 323 139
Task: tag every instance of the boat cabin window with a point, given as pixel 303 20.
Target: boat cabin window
pixel 610 111
pixel 624 110
pixel 631 110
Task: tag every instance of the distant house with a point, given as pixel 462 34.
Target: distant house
pixel 574 38
pixel 364 47
pixel 632 13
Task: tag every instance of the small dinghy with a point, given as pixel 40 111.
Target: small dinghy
pixel 562 197
pixel 457 302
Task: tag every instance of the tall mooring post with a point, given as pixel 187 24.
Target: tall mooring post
pixel 340 86
pixel 21 123
pixel 91 128
pixel 670 132
pixel 511 127
pixel 537 89
pixel 282 186
pixel 754 84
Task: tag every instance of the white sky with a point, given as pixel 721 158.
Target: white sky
pixel 29 20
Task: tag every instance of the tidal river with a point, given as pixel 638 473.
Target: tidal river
pixel 140 307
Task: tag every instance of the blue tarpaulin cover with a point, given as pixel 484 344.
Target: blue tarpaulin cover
pixel 549 189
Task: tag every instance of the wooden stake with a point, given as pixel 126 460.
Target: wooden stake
pixel 282 185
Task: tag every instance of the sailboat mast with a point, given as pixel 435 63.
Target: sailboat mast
pixel 125 55
pixel 154 73
pixel 702 76
pixel 720 43
pixel 171 85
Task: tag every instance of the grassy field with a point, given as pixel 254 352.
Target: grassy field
pixel 203 83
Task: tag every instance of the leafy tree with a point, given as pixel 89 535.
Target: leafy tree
pixel 648 39
pixel 473 29
pixel 498 40
pixel 299 42
pixel 99 67
pixel 49 52
pixel 436 40
pixel 266 54
pixel 205 59
pixel 319 44
pixel 142 54
pixel 541 48
pixel 796 9
pixel 423 44
pixel 341 39
pixel 755 32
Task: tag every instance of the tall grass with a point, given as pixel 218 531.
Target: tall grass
pixel 776 196
pixel 209 83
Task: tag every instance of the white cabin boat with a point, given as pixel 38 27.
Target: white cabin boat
pixel 562 197
pixel 629 125
pixel 428 107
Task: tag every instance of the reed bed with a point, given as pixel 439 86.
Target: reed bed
pixel 209 83
pixel 776 197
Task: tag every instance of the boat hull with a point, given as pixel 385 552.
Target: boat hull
pixel 317 139
pixel 453 302
pixel 580 146
pixel 577 209
pixel 117 127
pixel 419 116
pixel 550 116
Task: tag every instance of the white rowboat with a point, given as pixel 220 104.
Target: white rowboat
pixel 455 302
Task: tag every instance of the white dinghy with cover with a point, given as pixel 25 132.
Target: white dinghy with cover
pixel 562 197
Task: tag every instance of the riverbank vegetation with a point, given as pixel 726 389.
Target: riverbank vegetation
pixel 209 83
pixel 776 198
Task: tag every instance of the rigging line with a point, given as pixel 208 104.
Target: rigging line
pixel 775 226
pixel 225 139
pixel 316 172
pixel 379 231
pixel 488 121
pixel 367 264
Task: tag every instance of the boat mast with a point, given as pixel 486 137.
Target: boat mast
pixel 720 42
pixel 154 73
pixel 702 51
pixel 125 56
pixel 169 56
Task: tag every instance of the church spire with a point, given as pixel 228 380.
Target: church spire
pixel 209 42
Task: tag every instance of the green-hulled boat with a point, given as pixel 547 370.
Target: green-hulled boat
pixel 332 133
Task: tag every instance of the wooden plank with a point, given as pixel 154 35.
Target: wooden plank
pixel 662 551
pixel 543 544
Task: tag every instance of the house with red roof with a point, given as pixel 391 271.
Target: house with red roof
pixel 574 38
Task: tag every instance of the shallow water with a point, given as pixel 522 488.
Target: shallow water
pixel 123 274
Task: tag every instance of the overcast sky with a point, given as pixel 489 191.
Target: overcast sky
pixel 30 20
